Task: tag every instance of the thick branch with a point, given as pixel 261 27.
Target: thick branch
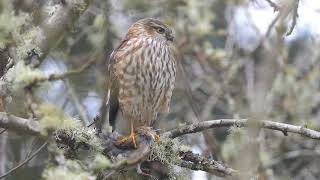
pixel 285 128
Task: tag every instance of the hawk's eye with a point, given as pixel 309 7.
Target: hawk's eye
pixel 160 30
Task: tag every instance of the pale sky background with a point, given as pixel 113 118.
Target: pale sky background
pixel 309 16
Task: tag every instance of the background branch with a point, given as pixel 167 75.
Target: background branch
pixel 194 161
pixel 25 161
pixel 55 26
pixel 283 127
pixel 19 125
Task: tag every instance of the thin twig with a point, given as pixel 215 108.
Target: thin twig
pixel 92 123
pixel 284 128
pixel 294 17
pixel 274 5
pixel 54 76
pixel 30 102
pixel 273 22
pixel 75 100
pixel 25 161
pixel 3 130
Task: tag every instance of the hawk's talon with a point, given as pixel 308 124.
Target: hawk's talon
pixel 157 138
pixel 130 138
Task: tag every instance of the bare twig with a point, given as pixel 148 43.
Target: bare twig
pixel 285 128
pixel 273 22
pixel 75 100
pixel 274 5
pixel 294 17
pixel 30 102
pixel 25 161
pixel 283 12
pixel 3 130
pixel 54 76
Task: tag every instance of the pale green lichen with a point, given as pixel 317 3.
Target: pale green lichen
pixel 166 151
pixel 18 29
pixel 185 148
pixel 11 25
pixel 70 170
pixel 87 135
pixel 27 42
pixel 78 6
pixel 99 162
pixel 52 118
pixel 22 75
pixel 82 135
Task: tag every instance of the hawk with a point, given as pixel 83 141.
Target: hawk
pixel 142 73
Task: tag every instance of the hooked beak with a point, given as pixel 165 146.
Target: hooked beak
pixel 169 37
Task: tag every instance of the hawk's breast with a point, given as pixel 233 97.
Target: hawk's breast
pixel 146 74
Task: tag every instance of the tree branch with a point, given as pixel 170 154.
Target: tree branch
pixel 31 127
pixel 196 162
pixel 54 76
pixel 19 125
pixel 188 159
pixel 285 128
pixel 25 161
pixel 273 5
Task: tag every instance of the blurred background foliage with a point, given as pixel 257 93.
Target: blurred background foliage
pixel 229 68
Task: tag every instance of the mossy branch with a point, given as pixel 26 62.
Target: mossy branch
pixel 186 159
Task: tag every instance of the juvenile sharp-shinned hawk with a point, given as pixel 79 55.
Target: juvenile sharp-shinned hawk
pixel 142 75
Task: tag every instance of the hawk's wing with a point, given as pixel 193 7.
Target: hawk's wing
pixel 114 85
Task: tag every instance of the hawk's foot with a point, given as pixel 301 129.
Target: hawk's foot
pixel 126 140
pixel 157 138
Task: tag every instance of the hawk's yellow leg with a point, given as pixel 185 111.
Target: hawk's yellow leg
pixel 131 137
pixel 157 138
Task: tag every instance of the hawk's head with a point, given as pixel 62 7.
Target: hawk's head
pixel 152 28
